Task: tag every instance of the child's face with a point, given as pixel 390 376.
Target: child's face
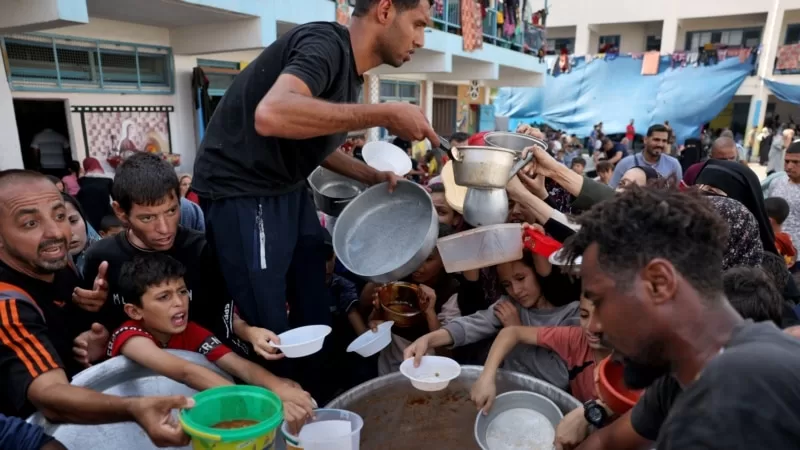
pixel 520 283
pixel 606 176
pixel 113 231
pixel 595 340
pixel 165 308
pixel 446 214
pixel 429 269
pixel 578 168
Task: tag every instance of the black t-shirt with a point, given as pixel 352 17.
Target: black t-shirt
pixel 233 159
pixel 211 306
pixel 652 409
pixel 745 398
pixel 38 323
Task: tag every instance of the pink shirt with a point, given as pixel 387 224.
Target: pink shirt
pixel 571 345
pixel 71 184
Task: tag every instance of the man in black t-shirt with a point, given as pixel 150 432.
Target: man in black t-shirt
pixel 657 306
pixel 284 115
pixel 38 320
pixel 146 199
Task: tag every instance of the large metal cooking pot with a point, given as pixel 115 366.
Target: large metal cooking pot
pixel 514 141
pixel 332 191
pixel 399 417
pixel 122 377
pixel 486 167
pixel 382 236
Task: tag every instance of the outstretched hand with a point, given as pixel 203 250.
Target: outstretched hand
pixel 94 299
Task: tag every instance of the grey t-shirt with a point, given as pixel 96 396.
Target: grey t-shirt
pixel 746 398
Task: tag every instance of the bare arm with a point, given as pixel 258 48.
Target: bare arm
pixel 290 111
pixel 356 321
pixel 506 340
pixel 146 352
pixel 59 401
pixel 616 158
pixel 350 167
pixel 248 371
pixel 618 435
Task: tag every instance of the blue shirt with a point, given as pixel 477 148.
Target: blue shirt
pixel 666 166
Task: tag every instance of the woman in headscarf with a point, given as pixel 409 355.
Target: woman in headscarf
pixel 736 181
pixel 83 235
pixel 744 238
pixel 95 193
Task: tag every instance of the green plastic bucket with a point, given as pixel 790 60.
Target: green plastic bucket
pixel 226 403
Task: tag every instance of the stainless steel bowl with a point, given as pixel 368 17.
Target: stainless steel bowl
pixel 515 400
pixel 333 192
pixel 513 141
pixel 122 377
pixel 382 236
pixel 399 417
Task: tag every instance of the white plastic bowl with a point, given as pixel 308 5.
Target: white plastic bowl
pixel 433 374
pixel 386 157
pixel 302 341
pixel 372 342
pixel 482 247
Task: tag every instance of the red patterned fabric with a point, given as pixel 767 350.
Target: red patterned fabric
pixel 788 57
pixel 471 25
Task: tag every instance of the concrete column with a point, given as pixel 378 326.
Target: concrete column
pixel 372 94
pixel 766 64
pixel 583 40
pixel 427 99
pixel 10 151
pixel 670 30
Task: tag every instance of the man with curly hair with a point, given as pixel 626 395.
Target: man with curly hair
pixel 660 302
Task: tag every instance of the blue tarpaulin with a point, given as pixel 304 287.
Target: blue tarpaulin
pixel 786 92
pixel 614 91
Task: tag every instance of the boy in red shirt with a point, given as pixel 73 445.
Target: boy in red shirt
pixel 777 211
pixel 158 305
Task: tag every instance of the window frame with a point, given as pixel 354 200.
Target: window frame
pixel 743 30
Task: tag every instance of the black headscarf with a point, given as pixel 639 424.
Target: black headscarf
pixel 740 183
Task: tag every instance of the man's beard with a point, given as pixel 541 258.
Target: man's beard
pixel 640 376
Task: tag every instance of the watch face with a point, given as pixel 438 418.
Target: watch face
pixel 594 415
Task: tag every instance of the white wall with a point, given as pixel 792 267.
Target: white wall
pixel 633 36
pixel 10 152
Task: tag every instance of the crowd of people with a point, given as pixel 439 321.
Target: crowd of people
pixel 685 268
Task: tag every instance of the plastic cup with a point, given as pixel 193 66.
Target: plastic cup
pixel 433 374
pixel 302 341
pixel 372 342
pixel 230 403
pixel 331 429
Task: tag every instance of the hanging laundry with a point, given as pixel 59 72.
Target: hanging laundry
pixel 562 63
pixel 471 25
pixel 745 55
pixel 788 57
pixel 438 8
pixel 678 59
pixel 636 55
pixel 722 53
pixel 342 12
pixel 610 56
pixel 650 63
pixel 692 59
pixel 587 59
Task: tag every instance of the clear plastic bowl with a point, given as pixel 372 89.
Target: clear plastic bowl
pixel 327 438
pixel 482 247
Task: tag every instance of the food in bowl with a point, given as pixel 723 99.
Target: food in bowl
pixel 400 302
pixel 520 429
pixel 232 424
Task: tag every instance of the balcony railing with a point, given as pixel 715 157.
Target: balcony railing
pixel 448 19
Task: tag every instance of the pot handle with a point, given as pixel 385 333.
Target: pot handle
pixel 444 144
pixel 520 164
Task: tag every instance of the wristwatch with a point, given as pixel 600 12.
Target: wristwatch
pixel 595 413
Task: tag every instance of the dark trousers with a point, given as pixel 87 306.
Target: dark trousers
pixel 271 251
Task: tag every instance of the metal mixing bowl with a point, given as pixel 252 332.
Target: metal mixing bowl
pixel 399 417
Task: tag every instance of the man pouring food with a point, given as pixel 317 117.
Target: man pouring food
pixel 283 116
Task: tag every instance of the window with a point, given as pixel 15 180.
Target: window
pixel 609 43
pixel 554 46
pixel 40 62
pixel 742 37
pixel 792 34
pixel 220 75
pixel 399 91
pixel 653 44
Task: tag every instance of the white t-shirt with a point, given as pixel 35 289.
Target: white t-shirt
pixel 51 146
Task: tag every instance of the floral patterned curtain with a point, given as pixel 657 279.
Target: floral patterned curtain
pixel 471 25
